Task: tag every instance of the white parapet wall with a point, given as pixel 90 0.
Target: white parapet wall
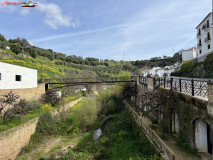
pixel 17 77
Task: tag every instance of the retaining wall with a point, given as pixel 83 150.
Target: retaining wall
pixel 14 139
pixel 28 94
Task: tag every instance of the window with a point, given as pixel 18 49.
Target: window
pixel 18 77
pixel 209 46
pixel 208 36
pixel 199 32
pixel 200 43
pixel 207 24
pixel 200 51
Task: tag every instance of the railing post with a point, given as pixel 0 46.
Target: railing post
pixel 193 91
pixel 164 82
pixel 171 83
pixel 180 85
pixel 159 81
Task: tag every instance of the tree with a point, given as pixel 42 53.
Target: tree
pixel 3 44
pixel 16 48
pixel 2 38
pixel 152 102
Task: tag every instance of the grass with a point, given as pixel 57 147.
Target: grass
pixel 31 115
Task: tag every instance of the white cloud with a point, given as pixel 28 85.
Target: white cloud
pixel 25 11
pixel 55 17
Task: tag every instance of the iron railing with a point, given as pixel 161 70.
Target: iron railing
pixel 192 86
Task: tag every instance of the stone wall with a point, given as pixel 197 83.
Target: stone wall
pixel 210 98
pixel 28 94
pixel 14 139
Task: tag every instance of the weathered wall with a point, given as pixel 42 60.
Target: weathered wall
pixel 187 110
pixel 210 98
pixel 13 140
pixel 28 94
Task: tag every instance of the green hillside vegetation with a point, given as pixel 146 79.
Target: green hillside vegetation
pixel 50 64
pixel 196 69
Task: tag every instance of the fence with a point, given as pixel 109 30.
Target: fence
pixel 192 86
pixel 156 141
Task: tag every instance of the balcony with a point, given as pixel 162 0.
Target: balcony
pixel 204 27
pixel 207 39
pixel 199 45
pixel 198 34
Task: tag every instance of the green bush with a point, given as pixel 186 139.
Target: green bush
pixel 84 113
pixel 46 125
pixel 20 110
pixel 187 67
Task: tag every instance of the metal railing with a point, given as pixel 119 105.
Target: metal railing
pixel 192 86
pixel 156 141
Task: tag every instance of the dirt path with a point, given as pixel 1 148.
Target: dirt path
pixel 51 146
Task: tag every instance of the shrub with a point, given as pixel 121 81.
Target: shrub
pixel 46 108
pixel 20 110
pixel 46 125
pixel 50 97
pixel 84 113
pixel 7 99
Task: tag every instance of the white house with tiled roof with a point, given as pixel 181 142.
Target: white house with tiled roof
pixel 205 37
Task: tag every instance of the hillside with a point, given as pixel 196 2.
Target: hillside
pixel 52 64
pixel 196 69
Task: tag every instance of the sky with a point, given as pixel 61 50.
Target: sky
pixel 107 29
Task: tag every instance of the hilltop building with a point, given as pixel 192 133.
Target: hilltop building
pixel 17 77
pixel 204 37
pixel 189 54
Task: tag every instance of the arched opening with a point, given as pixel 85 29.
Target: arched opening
pixel 175 123
pixel 203 136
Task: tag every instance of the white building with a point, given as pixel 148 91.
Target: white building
pixel 17 77
pixel 204 37
pixel 189 54
pixel 158 71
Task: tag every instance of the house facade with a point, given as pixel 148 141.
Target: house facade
pixel 189 54
pixel 204 37
pixel 17 77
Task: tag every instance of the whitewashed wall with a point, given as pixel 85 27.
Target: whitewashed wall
pixel 188 55
pixel 204 47
pixel 8 77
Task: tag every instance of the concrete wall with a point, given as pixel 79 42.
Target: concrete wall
pixel 8 77
pixel 13 140
pixel 28 94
